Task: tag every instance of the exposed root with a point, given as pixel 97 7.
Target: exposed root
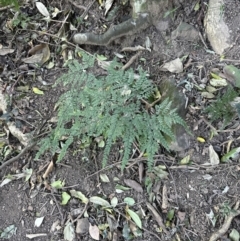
pixel 141 19
pixel 234 213
pixel 128 27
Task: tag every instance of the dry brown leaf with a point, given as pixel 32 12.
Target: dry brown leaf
pixel 157 217
pixel 94 231
pixel 5 51
pixel 213 156
pixel 133 184
pixel 42 51
pixel 46 54
pixel 35 59
pixel 156 187
pixel 36 49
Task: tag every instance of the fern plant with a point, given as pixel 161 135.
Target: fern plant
pixel 222 109
pixel 114 107
pixel 15 3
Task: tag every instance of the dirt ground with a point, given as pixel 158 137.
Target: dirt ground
pixel 200 197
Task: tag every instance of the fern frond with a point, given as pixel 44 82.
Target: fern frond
pixel 221 109
pixel 15 3
pixel 110 106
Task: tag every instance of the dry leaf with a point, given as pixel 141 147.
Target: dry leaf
pixel 36 49
pixel 181 216
pixel 68 232
pixel 38 222
pixel 15 131
pixel 200 139
pixel 35 59
pixel 214 158
pixel 108 5
pixel 174 66
pixel 37 91
pixel 218 82
pixel 5 51
pixel 207 95
pixel 39 50
pixel 94 231
pixel 133 184
pixel 42 9
pixel 156 216
pixel 54 226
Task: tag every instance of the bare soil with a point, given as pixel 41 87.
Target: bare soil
pixel 193 191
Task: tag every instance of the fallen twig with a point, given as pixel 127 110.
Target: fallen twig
pixel 220 131
pixel 80 215
pixel 13 159
pixel 5 8
pixel 59 209
pixel 157 217
pixel 130 62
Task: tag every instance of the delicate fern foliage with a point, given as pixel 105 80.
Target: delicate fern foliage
pixel 222 109
pixel 15 3
pixel 112 106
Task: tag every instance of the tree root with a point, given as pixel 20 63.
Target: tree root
pixel 234 213
pixel 128 27
pixel 140 20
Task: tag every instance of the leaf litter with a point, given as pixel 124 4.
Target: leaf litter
pixel 47 11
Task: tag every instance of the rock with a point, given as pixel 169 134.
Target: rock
pixel 169 90
pixel 216 29
pixel 82 225
pixel 232 74
pixel 162 25
pixel 185 31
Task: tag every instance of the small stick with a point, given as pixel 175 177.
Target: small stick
pixel 130 62
pixel 220 131
pixel 60 211
pixel 4 8
pixel 103 169
pixel 13 159
pixel 201 37
pixel 80 215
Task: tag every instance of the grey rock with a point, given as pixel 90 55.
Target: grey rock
pixel 82 225
pixel 185 31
